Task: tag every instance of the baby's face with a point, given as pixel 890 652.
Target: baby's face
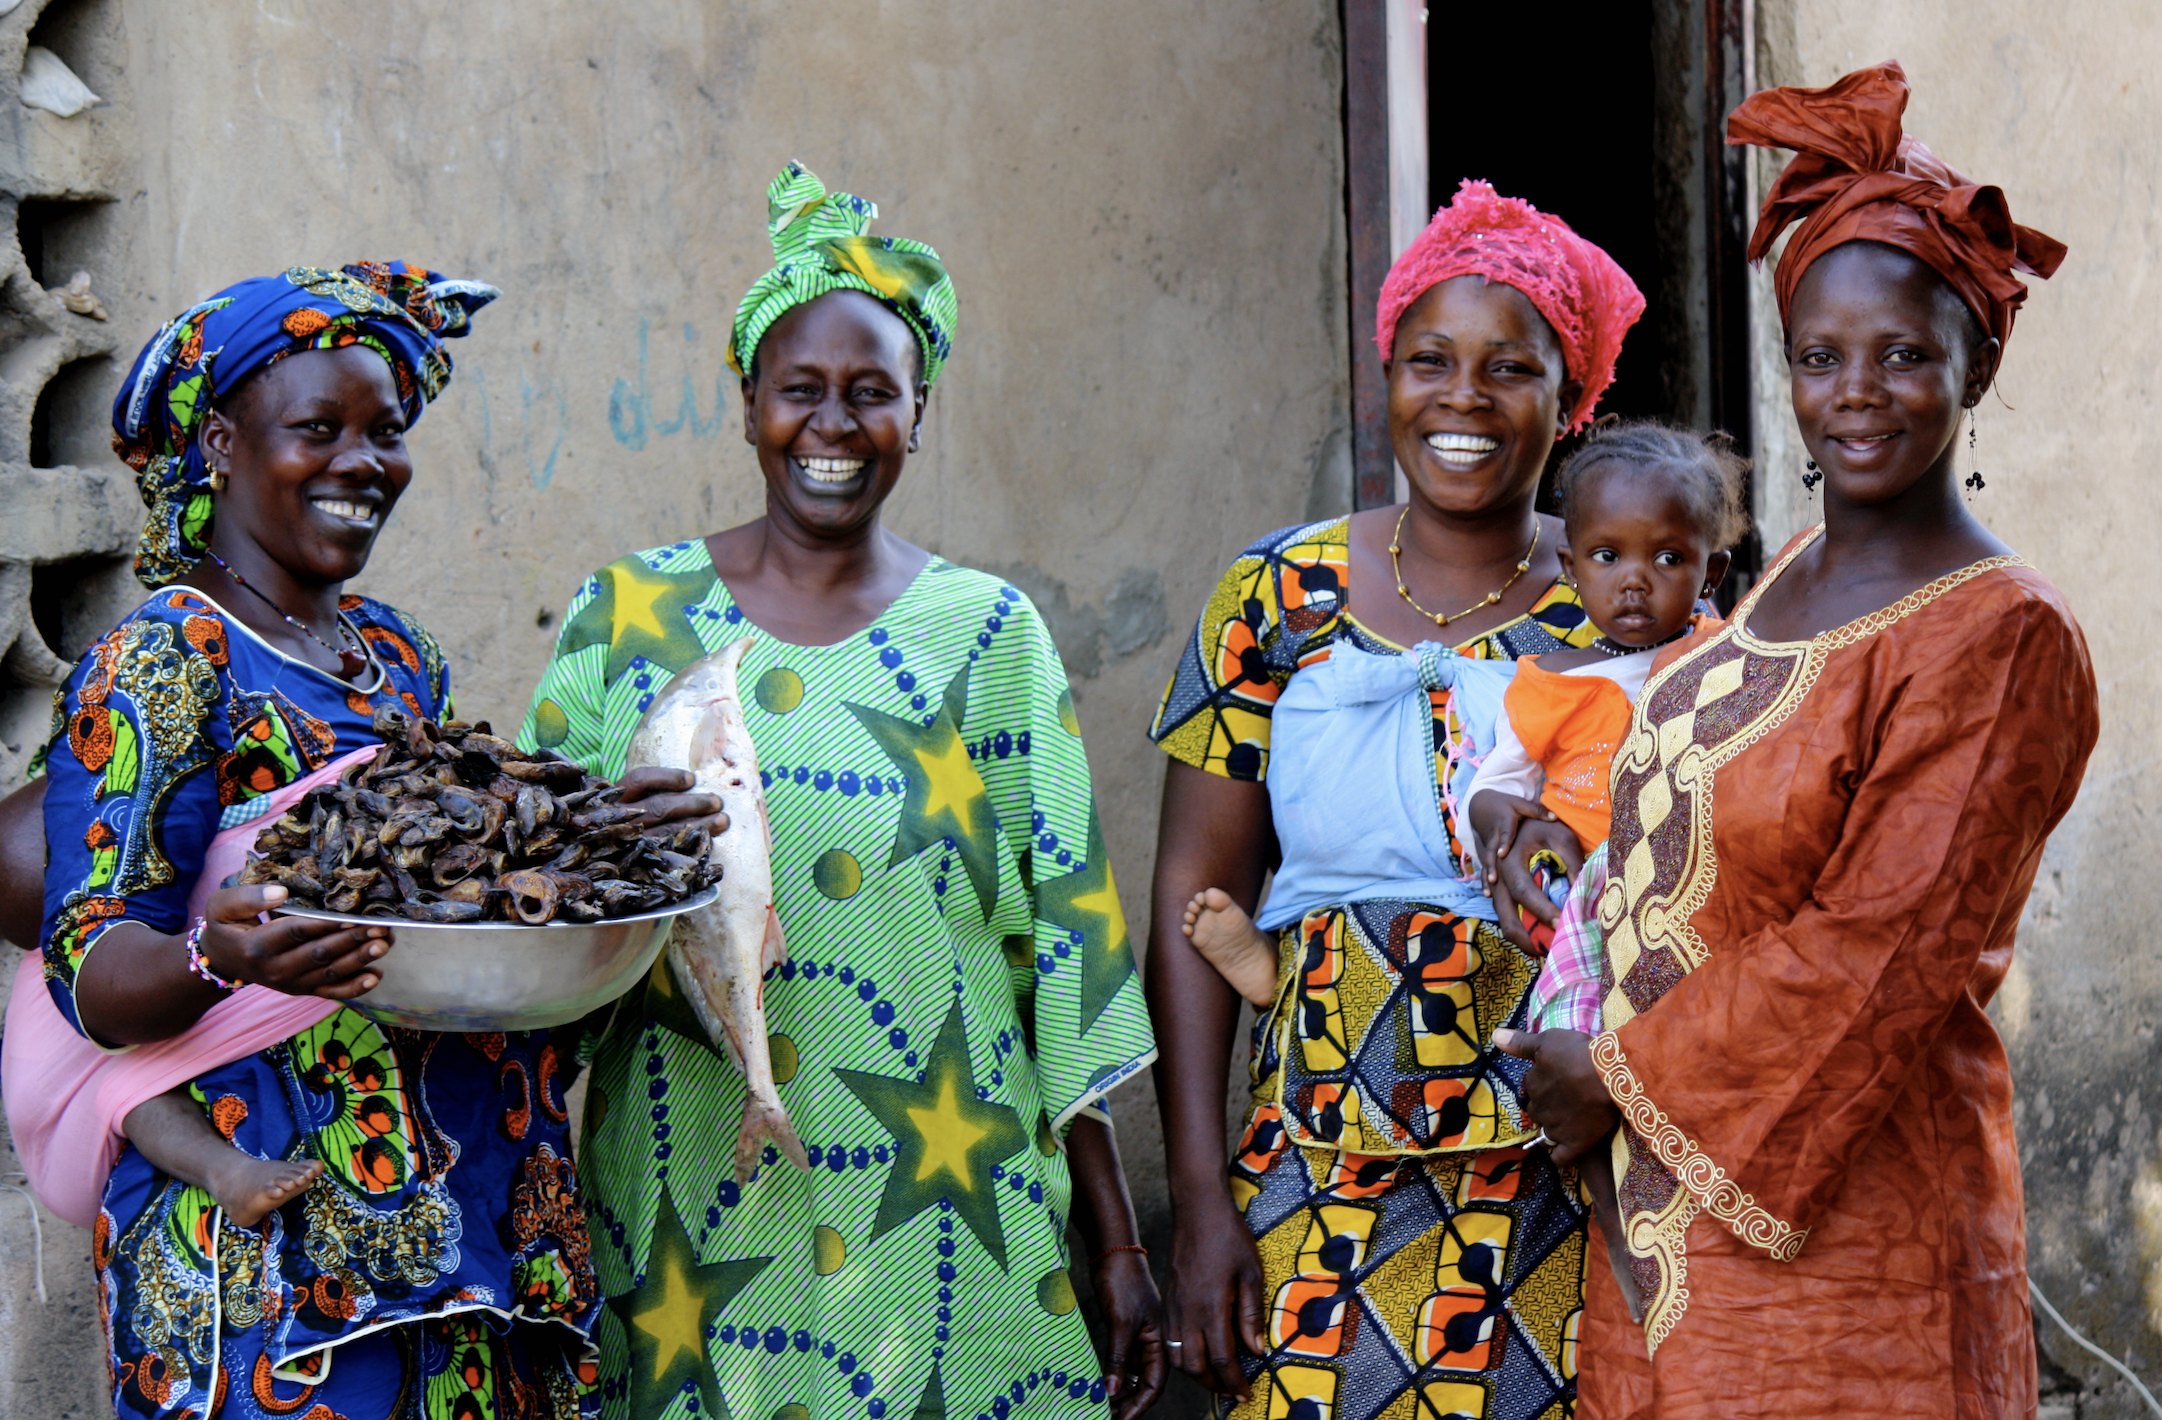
pixel 1637 558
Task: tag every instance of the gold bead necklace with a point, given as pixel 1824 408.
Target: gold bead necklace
pixel 1396 548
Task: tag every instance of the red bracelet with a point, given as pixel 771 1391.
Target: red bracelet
pixel 1123 1247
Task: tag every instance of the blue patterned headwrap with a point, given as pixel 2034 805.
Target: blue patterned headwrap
pixel 400 311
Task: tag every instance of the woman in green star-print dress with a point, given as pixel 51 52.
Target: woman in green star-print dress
pixel 960 993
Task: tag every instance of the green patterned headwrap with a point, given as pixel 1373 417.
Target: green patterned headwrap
pixel 820 244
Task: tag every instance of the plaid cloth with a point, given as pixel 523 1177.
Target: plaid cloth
pixel 1566 995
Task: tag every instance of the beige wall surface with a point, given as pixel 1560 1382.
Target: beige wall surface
pixel 2061 106
pixel 1141 203
pixel 1140 200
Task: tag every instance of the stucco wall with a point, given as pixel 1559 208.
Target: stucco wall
pixel 2060 106
pixel 1141 202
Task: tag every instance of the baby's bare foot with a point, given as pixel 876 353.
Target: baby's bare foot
pixel 1222 932
pixel 248 1188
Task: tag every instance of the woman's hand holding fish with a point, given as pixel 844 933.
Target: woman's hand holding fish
pixel 300 956
pixel 664 795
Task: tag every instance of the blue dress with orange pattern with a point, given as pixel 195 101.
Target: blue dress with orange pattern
pixel 440 1266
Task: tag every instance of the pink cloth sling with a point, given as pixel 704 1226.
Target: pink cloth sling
pixel 66 1098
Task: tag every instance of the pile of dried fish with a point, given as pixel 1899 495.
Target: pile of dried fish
pixel 451 824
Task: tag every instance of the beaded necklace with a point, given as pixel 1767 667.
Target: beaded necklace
pixel 1614 648
pixel 1396 566
pixel 352 658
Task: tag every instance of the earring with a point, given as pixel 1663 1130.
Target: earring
pixel 1812 477
pixel 218 480
pixel 1975 483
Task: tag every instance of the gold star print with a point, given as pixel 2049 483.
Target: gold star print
pixel 666 1317
pixel 950 779
pixel 946 1139
pixel 946 799
pixel 1087 902
pixel 641 612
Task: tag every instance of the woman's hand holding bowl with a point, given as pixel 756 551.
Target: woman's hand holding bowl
pixel 301 956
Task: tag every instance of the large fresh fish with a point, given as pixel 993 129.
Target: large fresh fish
pixel 722 951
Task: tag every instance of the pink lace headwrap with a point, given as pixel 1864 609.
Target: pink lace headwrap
pixel 1590 301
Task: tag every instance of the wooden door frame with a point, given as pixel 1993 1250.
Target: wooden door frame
pixel 1730 213
pixel 1385 204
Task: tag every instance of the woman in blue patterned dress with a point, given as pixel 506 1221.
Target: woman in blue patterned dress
pixel 439 1266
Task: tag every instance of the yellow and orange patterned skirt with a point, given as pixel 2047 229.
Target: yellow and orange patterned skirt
pixel 1420 1262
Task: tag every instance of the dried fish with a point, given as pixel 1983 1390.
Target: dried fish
pixel 450 823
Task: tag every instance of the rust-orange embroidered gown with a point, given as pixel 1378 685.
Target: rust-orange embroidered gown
pixel 1819 855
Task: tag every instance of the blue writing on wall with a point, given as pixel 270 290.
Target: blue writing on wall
pixel 632 417
pixel 531 396
pixel 538 404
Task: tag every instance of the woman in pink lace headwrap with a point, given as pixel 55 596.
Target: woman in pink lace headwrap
pixel 1383 1237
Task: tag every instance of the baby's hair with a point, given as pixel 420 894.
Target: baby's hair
pixel 1706 467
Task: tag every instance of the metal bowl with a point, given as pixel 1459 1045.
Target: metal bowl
pixel 490 976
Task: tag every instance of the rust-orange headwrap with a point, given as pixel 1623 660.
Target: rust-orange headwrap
pixel 1856 177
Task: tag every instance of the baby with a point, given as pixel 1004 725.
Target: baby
pixel 180 1137
pixel 1648 512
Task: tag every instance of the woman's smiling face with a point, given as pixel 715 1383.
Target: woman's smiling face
pixel 315 449
pixel 833 407
pixel 1477 395
pixel 1883 359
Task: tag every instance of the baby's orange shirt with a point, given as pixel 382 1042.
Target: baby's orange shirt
pixel 1570 725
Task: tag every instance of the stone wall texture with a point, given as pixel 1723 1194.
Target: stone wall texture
pixel 2059 104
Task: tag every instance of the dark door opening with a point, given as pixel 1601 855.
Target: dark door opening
pixel 1578 144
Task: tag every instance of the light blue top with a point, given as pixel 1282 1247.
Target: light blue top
pixel 1351 779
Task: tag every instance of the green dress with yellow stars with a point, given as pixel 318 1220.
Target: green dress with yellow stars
pixel 960 985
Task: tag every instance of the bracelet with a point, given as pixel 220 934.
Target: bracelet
pixel 200 964
pixel 1123 1247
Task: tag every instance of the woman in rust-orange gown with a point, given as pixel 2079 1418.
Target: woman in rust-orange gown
pixel 1819 855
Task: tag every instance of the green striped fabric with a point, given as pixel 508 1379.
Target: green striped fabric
pixel 821 243
pixel 960 985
